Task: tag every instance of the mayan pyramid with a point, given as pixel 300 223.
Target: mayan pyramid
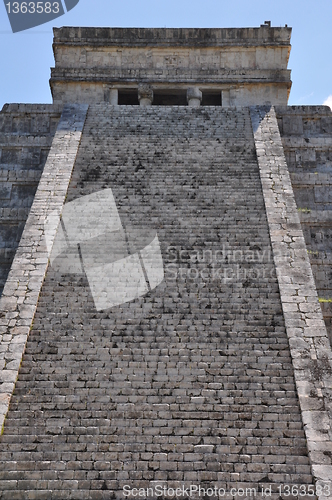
pixel 166 283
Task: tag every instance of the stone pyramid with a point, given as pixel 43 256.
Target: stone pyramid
pixel 166 273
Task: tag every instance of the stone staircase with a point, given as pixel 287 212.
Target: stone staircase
pixel 26 133
pixel 191 384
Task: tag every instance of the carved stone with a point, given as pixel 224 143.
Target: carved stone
pixel 194 97
pixel 145 95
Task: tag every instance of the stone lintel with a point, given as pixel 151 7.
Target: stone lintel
pixel 170 75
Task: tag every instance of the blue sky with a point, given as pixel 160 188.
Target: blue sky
pixel 26 57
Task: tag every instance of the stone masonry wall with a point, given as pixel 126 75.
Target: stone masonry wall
pixel 307 140
pixel 250 65
pixel 26 134
pixel 308 339
pixel 192 383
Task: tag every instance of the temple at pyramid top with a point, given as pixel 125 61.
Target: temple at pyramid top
pixel 168 66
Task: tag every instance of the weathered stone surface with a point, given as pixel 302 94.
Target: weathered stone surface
pixel 309 345
pixel 26 133
pixel 192 382
pixel 306 133
pixel 20 294
pixel 221 375
pixel 248 65
pixel 145 94
pixel 194 97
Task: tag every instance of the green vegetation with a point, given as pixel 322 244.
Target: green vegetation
pixel 304 210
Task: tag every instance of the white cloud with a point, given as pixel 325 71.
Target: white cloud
pixel 328 101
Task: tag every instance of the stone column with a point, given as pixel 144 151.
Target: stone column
pixel 114 95
pixel 145 94
pixel 225 98
pixel 194 97
pixel 111 95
